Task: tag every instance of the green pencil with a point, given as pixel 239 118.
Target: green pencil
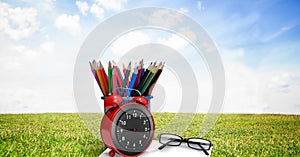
pixel 150 77
pixel 109 78
pixel 149 89
pixel 144 78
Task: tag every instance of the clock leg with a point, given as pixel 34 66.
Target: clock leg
pixel 111 153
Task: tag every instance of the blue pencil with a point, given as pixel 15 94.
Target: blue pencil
pixel 132 81
pixel 142 73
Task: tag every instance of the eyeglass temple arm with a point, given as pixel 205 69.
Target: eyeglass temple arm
pixel 204 150
pixel 162 146
pixel 170 140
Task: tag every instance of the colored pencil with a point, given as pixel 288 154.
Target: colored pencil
pixel 142 80
pixel 109 78
pixel 114 81
pixel 126 79
pixel 132 81
pixel 153 66
pixel 94 65
pixel 130 76
pixel 149 79
pixel 159 65
pixel 135 77
pixel 104 77
pixel 124 70
pixel 143 71
pixel 119 73
pixel 98 71
pixel 154 80
pixel 118 76
pixel 94 73
pixel 149 71
pixel 137 81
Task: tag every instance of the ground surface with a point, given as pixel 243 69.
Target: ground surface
pixel 67 134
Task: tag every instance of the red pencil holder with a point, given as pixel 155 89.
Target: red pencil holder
pixel 127 127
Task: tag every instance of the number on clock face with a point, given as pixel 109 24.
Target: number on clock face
pixel 133 130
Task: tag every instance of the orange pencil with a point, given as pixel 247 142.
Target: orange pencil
pixel 94 67
pixel 98 71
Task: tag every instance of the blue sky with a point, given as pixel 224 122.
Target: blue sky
pixel 258 41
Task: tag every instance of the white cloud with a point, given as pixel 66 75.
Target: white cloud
pixel 16 99
pixel 174 41
pixel 68 23
pixel 183 10
pixel 165 18
pixel 83 7
pixel 259 90
pixel 233 53
pixel 281 31
pixel 97 11
pixel 17 56
pixel 115 5
pixel 47 46
pixel 278 91
pixel 38 100
pixel 47 5
pixel 31 79
pixel 240 88
pixel 129 41
pixel 18 23
pixel 232 32
pixel 200 5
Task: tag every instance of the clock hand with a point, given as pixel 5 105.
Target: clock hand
pixel 134 129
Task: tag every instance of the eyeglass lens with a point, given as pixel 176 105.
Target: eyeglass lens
pixel 169 139
pixel 198 143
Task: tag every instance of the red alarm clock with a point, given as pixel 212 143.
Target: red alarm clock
pixel 127 127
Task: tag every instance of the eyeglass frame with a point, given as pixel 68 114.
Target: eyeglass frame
pixel 185 140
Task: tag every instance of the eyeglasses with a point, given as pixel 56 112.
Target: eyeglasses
pixel 175 140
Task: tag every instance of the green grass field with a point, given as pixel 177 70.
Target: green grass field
pixel 67 135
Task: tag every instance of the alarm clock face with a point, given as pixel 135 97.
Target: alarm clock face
pixel 132 129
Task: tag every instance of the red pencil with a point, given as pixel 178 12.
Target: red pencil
pixel 114 81
pixel 124 70
pixel 119 80
pixel 140 68
pixel 99 75
pixel 104 77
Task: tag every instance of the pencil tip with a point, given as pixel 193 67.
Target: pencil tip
pixel 135 70
pixel 129 66
pixel 91 65
pixel 162 66
pixel 109 64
